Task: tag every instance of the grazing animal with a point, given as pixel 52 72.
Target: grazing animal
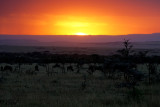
pixel 8 68
pixel 16 69
pixel 36 68
pixel 57 66
pixel 1 68
pixel 50 72
pixel 79 65
pixel 70 68
pixel 62 67
pixel 78 68
pixel 91 69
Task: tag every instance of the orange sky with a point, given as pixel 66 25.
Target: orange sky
pixel 78 17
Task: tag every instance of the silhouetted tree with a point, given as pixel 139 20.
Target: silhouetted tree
pixel 127 50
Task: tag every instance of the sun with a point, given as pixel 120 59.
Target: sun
pixel 81 34
pixel 78 26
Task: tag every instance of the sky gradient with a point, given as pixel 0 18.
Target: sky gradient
pixel 79 17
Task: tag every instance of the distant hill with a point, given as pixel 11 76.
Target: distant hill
pixel 139 40
pixel 88 39
pixel 103 45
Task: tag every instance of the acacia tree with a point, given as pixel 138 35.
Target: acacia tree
pixel 127 50
pixel 127 65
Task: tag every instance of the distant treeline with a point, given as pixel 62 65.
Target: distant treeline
pixel 47 57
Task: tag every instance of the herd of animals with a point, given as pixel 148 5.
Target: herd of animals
pixel 110 69
pixel 122 66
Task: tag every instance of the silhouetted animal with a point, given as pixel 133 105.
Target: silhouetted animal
pixel 36 68
pixel 56 66
pixel 79 66
pixel 8 68
pixel 59 66
pixel 91 69
pixel 2 68
pixel 70 68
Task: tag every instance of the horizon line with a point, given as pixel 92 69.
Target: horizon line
pixel 80 35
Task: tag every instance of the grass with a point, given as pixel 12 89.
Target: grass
pixel 64 90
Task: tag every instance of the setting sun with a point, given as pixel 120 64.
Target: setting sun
pixel 89 17
pixel 81 34
pixel 73 25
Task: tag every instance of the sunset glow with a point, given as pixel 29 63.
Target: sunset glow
pixel 89 17
pixel 81 34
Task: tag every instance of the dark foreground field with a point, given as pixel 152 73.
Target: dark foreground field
pixel 67 90
pixel 44 79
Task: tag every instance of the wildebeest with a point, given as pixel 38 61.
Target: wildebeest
pixel 56 66
pixel 70 68
pixel 59 66
pixel 8 68
pixel 1 68
pixel 36 68
pixel 91 69
pixel 79 66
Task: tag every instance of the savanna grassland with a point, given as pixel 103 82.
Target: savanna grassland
pixel 66 90
pixel 43 79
